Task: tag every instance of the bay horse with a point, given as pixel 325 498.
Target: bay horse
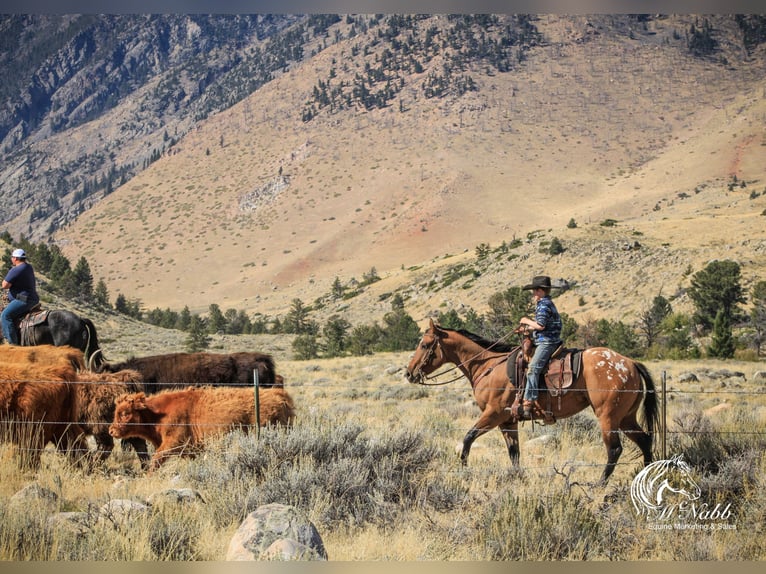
pixel 60 327
pixel 611 384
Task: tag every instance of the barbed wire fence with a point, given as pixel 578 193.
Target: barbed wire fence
pixel 8 422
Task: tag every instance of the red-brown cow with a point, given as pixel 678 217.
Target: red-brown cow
pixel 37 403
pixel 176 422
pixel 44 355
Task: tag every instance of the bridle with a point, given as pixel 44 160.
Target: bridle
pixel 425 359
pixel 428 355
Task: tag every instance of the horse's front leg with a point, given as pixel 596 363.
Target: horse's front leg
pixel 488 420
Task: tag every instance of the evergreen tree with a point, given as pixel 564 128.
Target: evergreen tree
pixel 198 338
pixel 722 343
pixel 675 335
pixel 364 339
pixel 43 258
pixel 335 336
pixel 400 332
pixel 121 304
pixel 184 319
pixel 758 314
pixel 305 347
pixel 101 295
pixel 216 322
pixel 67 285
pixel 649 321
pixel 450 320
pixel 83 279
pixel 297 318
pixel 506 309
pixel 717 288
pixel 59 267
pixel 555 247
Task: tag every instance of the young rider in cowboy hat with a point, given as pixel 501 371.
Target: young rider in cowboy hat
pixel 547 333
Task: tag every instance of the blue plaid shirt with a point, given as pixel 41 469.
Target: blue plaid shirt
pixel 548 317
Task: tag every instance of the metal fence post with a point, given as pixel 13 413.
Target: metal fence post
pixel 257 404
pixel 664 423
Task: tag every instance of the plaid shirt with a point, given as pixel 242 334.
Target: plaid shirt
pixel 548 317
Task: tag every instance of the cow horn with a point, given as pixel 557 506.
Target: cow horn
pixel 92 358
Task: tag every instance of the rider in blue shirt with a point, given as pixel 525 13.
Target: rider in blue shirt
pixel 22 294
pixel 547 333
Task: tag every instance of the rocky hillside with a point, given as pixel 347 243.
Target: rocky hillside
pixel 403 143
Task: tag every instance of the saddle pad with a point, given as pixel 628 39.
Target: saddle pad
pixel 26 324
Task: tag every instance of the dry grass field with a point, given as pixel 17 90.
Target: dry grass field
pixel 415 502
pixel 256 208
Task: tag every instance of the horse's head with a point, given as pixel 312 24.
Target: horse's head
pixel 428 356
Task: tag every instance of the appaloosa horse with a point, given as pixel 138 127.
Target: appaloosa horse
pixel 611 384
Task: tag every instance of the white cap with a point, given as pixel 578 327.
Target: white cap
pixel 19 254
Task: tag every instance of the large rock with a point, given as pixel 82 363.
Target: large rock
pixel 276 532
pixel 35 496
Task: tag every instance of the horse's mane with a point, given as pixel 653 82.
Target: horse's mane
pixel 482 342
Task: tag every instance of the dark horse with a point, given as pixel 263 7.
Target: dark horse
pixel 60 327
pixel 611 384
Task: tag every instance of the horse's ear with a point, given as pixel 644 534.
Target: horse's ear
pixel 431 324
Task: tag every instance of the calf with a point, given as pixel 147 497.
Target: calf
pixel 176 422
pixel 95 395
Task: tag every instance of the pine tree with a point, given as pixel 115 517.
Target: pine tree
pixel 216 322
pixel 335 336
pixel 717 287
pixel 650 320
pixel 198 339
pixel 101 295
pixel 83 279
pixel 722 344
pixel 758 314
pixel 305 347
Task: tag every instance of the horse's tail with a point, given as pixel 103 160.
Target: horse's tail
pixel 92 346
pixel 651 409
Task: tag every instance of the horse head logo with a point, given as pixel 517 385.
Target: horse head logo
pixel 656 481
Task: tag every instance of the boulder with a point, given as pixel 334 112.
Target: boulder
pixel 276 532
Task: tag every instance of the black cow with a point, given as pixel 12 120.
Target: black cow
pixel 175 370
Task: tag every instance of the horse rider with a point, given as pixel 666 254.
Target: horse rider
pixel 22 294
pixel 547 336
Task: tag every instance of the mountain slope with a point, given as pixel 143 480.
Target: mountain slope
pixel 599 118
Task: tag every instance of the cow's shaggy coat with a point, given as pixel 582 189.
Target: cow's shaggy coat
pixel 178 370
pixel 95 401
pixel 177 422
pixel 37 406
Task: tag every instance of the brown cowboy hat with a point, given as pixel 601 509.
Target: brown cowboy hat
pixel 541 281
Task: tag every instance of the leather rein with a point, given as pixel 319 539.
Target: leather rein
pixel 432 350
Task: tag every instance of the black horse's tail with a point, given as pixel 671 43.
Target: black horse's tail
pixel 651 409
pixel 92 347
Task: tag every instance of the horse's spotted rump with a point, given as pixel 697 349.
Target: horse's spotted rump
pixel 612 365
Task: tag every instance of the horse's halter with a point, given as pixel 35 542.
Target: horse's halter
pixel 428 355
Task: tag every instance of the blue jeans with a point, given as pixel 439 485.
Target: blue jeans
pixel 12 311
pixel 543 353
